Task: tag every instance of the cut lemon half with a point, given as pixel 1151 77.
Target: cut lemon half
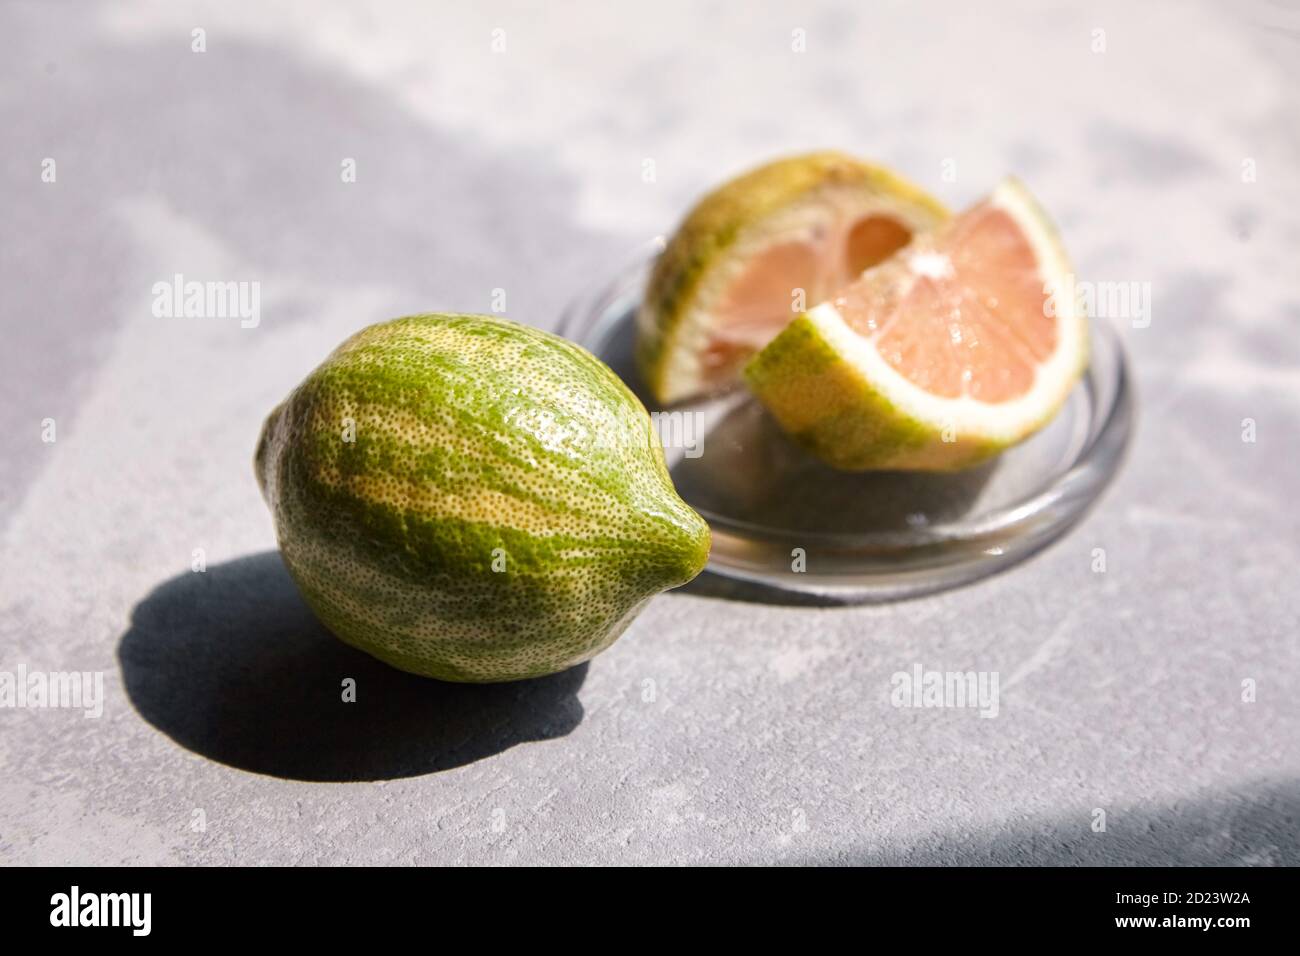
pixel 952 350
pixel 756 252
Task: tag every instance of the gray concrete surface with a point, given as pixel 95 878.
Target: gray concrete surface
pixel 716 730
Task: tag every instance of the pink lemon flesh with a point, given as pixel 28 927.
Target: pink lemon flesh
pixel 950 351
pixel 757 251
pixel 757 303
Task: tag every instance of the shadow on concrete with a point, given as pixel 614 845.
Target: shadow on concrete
pixel 712 585
pixel 242 149
pixel 232 664
pixel 1257 825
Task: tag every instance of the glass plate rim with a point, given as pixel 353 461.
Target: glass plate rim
pixel 1003 536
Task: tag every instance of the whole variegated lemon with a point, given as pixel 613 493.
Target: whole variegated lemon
pixel 472 499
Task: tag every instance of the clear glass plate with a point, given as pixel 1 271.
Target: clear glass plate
pixel 868 536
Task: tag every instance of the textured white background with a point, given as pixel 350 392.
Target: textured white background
pixel 770 736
